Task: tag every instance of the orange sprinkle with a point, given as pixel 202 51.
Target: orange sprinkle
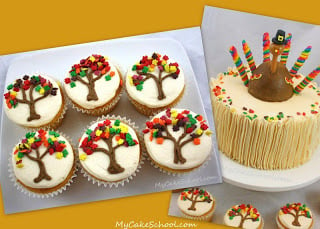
pixel 159 140
pixel 107 134
pixel 162 122
pixel 117 138
pixel 196 141
pixel 112 73
pixel 78 70
pixel 121 82
pixel 156 120
pixel 103 71
pixel 151 136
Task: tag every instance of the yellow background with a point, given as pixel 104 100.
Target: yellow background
pixel 33 25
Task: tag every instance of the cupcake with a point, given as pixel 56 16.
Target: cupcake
pixel 155 83
pixel 177 140
pixel 243 216
pixel 43 162
pixel 34 102
pixel 294 216
pixel 196 204
pixel 109 151
pixel 94 85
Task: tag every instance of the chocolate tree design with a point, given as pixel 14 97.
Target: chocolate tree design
pixel 30 148
pixel 296 210
pixel 245 212
pixel 158 128
pixel 26 87
pixel 195 195
pixel 106 132
pixel 155 68
pixel 93 68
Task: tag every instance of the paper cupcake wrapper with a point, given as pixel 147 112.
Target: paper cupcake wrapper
pixel 177 173
pixel 52 125
pixel 115 184
pixel 107 108
pixel 26 191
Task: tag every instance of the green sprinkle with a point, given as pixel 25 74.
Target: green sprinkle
pixel 107 77
pixel 72 84
pixel 112 130
pixel 20 155
pixel 118 130
pixel 37 140
pixel 38 88
pixel 62 142
pixel 145 69
pixel 139 87
pixel 50 141
pixel 129 137
pixel 73 73
pixel 82 73
pixel 88 131
pixel 117 122
pixel 11 101
pixel 134 67
pixel 10 86
pixel 28 135
pixel 47 87
pixel 65 153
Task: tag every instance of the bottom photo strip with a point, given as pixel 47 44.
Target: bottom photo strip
pixel 233 206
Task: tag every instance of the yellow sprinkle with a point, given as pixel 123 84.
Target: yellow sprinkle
pixel 83 156
pixel 174 121
pixel 233 110
pixel 174 114
pixel 120 142
pixel 59 155
pixel 155 62
pixel 220 96
pixel 173 68
pixel 199 131
pixel 53 138
pixel 17 158
pixel 41 91
pixel 123 128
pixel 280 212
pixel 99 64
pixel 20 165
pixel 130 80
pixel 167 68
pixel 98 132
pixel 151 69
pixel 92 58
pixel 31 140
pixel 164 62
pixel 208 132
pixel 13 93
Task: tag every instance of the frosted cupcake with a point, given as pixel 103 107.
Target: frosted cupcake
pixel 243 216
pixel 43 162
pixel 154 83
pixel 94 85
pixel 109 151
pixel 34 101
pixel 177 140
pixel 294 216
pixel 196 204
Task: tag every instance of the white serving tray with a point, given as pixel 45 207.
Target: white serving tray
pixel 270 180
pixel 56 62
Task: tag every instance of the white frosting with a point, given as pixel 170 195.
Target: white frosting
pixel 105 90
pixel 47 108
pixel 202 208
pixel 241 98
pixel 287 219
pixel 58 169
pixel 97 163
pixel 235 222
pixel 148 96
pixel 163 153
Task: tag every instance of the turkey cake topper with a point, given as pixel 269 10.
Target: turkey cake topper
pixel 271 81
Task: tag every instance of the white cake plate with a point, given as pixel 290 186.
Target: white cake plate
pixel 270 180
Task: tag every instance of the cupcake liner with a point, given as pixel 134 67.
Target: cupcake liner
pixel 175 173
pixel 115 184
pixel 57 120
pixel 26 191
pixel 104 109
